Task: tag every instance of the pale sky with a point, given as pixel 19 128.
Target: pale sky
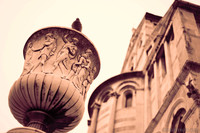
pixel 107 23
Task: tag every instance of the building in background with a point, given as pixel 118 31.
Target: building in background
pixel 158 89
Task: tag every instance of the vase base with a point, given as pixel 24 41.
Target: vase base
pixel 25 130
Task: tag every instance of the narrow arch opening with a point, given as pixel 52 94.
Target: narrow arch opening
pixel 128 99
pixel 105 99
pixel 177 125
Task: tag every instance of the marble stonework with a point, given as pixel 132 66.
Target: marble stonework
pixel 60 64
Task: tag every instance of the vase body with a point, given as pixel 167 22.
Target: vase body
pixel 60 64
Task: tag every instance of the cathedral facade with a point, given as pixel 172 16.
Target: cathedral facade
pixel 158 89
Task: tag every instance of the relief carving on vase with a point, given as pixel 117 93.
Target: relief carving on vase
pixel 80 70
pixel 66 53
pixel 46 50
pixel 62 53
pixel 60 64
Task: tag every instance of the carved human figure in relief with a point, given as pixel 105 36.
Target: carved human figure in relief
pixel 67 52
pixel 29 53
pixel 86 83
pixel 90 78
pixel 80 70
pixel 46 50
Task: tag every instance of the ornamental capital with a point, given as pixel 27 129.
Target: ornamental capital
pixel 115 94
pixel 96 105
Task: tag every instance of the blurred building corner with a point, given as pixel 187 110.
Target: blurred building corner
pixel 158 90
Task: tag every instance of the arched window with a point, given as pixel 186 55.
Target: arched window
pixel 105 99
pixel 128 99
pixel 105 96
pixel 177 125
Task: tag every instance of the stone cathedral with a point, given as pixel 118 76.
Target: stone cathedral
pixel 158 89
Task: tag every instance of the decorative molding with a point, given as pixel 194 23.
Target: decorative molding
pixel 176 105
pixel 189 113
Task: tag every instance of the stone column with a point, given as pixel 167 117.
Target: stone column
pixel 156 74
pixel 114 97
pixel 95 113
pixel 147 102
pixel 168 62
